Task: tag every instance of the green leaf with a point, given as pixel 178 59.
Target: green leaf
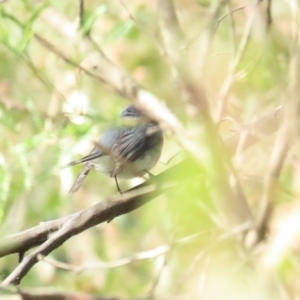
pixel 5 14
pixel 28 34
pixel 26 169
pixel 120 30
pixel 26 38
pixel 90 18
pixel 37 13
pixel 36 118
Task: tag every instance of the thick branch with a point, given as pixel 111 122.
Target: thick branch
pixel 75 224
pixel 101 212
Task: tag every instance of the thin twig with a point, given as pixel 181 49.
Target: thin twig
pixel 232 26
pixel 50 294
pixel 157 276
pixel 269 14
pixel 224 91
pixel 285 136
pixel 144 255
pixel 195 96
pixel 229 14
pixel 208 33
pixel 67 59
pixel 143 28
pixel 81 12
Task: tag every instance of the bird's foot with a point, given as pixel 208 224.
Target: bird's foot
pixel 151 176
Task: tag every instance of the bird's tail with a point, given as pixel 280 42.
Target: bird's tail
pixel 88 165
pixel 87 158
pixel 81 177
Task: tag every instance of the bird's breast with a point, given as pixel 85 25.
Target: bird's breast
pixel 104 164
pixel 147 161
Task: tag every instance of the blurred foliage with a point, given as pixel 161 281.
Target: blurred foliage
pixel 50 114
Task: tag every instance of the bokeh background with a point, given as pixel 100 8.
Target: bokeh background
pixel 240 52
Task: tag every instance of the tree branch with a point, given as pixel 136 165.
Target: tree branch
pixel 50 294
pixel 78 222
pixel 101 212
pixel 144 255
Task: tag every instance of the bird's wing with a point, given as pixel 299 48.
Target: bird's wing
pixel 129 146
pixel 92 156
pixel 81 177
pixel 102 147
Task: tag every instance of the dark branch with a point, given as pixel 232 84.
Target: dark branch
pixel 101 212
pixel 81 12
pixel 78 222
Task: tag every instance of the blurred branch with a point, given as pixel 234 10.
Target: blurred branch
pixel 103 211
pixel 52 294
pixel 174 43
pixel 224 91
pixel 38 75
pixel 63 56
pixel 49 294
pixel 123 84
pixel 144 255
pixel 232 26
pixel 287 134
pixel 208 33
pixel 204 256
pixel 215 160
pixel 81 12
pixel 42 78
pixel 61 296
pixel 158 275
pixel 170 30
pixel 229 14
pixel 269 13
pixel 265 126
pixel 143 28
pixel 78 222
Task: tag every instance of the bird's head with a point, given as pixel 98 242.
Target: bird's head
pixel 132 116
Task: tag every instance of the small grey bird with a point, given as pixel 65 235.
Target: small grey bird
pixel 125 151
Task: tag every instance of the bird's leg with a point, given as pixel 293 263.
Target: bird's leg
pixel 117 184
pixel 119 191
pixel 152 177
